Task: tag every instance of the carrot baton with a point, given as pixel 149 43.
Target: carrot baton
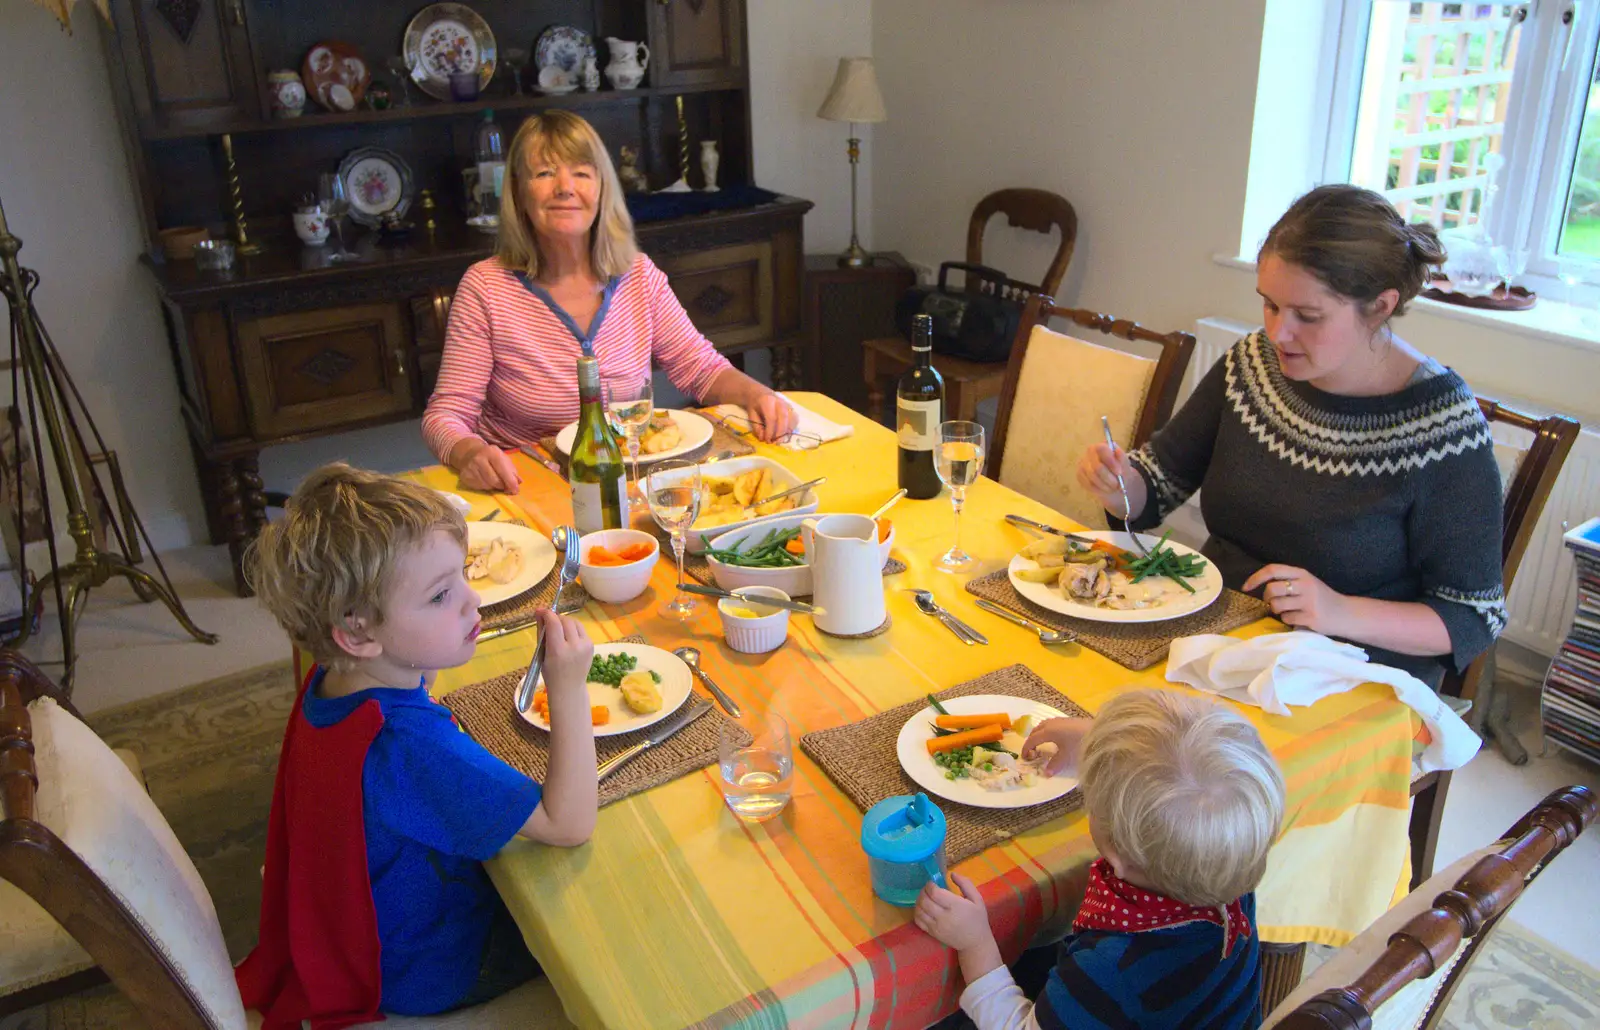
pixel 966 738
pixel 972 722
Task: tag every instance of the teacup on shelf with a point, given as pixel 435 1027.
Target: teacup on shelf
pixel 311 225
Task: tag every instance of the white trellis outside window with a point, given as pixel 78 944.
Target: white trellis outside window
pixel 1422 93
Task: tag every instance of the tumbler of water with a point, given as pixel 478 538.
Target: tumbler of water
pixel 758 777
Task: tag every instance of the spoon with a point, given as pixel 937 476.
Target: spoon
pixel 929 606
pixel 890 503
pixel 565 539
pixel 691 658
pixel 1046 634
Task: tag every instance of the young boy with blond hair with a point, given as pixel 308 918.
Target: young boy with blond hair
pixel 1184 801
pixel 375 898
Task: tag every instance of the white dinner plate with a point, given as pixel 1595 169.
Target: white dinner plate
pixel 695 429
pixel 918 764
pixel 538 558
pixel 676 680
pixel 1207 587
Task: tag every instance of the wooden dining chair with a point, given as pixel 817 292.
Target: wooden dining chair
pixel 1403 970
pixel 96 876
pixel 1529 474
pixel 966 383
pixel 1057 387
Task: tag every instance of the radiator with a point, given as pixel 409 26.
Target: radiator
pixel 1540 605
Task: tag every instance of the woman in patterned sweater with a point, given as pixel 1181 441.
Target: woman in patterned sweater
pixel 1347 475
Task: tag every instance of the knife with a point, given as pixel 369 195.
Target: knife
pixel 793 606
pixel 1018 520
pixel 694 708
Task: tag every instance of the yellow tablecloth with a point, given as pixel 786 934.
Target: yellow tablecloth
pixel 675 914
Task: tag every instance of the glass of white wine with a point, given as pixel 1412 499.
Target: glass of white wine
pixel 958 459
pixel 629 405
pixel 673 490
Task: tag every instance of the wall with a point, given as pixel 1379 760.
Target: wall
pixel 794 52
pixel 68 195
pixel 1141 113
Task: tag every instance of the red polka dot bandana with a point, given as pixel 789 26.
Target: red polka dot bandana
pixel 1114 904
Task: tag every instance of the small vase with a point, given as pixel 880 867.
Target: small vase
pixel 709 160
pixel 591 73
pixel 464 86
pixel 287 92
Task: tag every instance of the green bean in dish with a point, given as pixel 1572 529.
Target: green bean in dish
pixel 769 552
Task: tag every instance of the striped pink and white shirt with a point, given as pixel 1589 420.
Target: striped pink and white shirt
pixel 510 367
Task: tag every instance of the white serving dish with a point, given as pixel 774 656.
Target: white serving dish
pixel 755 636
pixel 737 466
pixel 795 580
pixel 616 584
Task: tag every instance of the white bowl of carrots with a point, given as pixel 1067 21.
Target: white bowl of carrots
pixel 793 580
pixel 614 565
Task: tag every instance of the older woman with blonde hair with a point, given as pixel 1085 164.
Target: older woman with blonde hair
pixel 567 279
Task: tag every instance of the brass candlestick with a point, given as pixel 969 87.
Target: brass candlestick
pixel 41 387
pixel 683 143
pixel 241 234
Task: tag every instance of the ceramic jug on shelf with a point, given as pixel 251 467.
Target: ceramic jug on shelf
pixel 628 62
pixel 846 573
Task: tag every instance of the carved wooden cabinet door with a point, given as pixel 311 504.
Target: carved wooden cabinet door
pixel 727 291
pixel 696 41
pixel 314 370
pixel 185 62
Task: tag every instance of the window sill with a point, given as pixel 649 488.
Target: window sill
pixel 1566 324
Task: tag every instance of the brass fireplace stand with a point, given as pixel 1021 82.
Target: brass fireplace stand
pixel 41 385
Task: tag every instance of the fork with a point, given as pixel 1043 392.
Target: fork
pixel 1127 506
pixel 565 539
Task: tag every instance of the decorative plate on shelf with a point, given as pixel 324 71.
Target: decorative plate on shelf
pixel 563 47
pixel 377 183
pixel 335 75
pixel 445 38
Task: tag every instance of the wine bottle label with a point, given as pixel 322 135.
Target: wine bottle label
pixel 589 505
pixel 918 423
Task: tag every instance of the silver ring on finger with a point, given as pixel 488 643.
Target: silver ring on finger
pixel 1290 590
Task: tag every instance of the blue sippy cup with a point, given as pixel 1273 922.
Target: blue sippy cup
pixel 903 837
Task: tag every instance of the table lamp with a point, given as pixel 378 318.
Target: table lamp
pixel 854 98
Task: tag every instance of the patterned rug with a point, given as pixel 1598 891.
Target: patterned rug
pixel 1523 981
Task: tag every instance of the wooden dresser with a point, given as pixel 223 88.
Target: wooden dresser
pixel 287 346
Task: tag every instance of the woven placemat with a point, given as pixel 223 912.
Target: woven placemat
pixel 1133 645
pixel 485 711
pixel 721 440
pixel 697 566
pixel 883 627
pixel 516 609
pixel 862 759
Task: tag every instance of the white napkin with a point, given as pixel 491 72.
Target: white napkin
pixel 1277 670
pixel 811 430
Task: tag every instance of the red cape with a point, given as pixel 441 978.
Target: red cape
pixel 318 956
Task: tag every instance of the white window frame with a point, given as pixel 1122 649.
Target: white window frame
pixel 1549 91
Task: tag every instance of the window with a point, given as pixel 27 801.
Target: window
pixel 1472 114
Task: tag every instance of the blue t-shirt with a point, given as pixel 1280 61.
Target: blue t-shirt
pixel 435 805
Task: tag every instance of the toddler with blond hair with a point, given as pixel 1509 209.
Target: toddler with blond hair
pixel 1184 801
pixel 374 896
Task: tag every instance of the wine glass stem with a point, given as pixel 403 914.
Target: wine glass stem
pixel 633 450
pixel 678 543
pixel 955 501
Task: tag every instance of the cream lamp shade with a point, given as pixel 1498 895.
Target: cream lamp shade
pixel 62 9
pixel 855 96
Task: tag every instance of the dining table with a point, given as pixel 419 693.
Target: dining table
pixel 677 914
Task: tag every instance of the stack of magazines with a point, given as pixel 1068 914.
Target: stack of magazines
pixel 1571 697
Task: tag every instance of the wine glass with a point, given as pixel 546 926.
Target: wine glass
pixel 516 59
pixel 330 193
pixel 629 405
pixel 673 490
pixel 1572 271
pixel 400 68
pixel 958 459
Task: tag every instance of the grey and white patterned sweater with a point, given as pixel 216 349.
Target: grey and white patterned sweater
pixel 1395 497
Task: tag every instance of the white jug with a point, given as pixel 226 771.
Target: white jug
pixel 846 573
pixel 627 64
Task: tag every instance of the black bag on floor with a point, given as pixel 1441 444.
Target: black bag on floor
pixel 975 322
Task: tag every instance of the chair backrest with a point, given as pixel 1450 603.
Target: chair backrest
pixel 1436 940
pixel 1056 388
pixel 80 836
pixel 1037 210
pixel 1526 491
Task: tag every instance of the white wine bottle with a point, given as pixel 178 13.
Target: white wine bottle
pixel 595 468
pixel 919 408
